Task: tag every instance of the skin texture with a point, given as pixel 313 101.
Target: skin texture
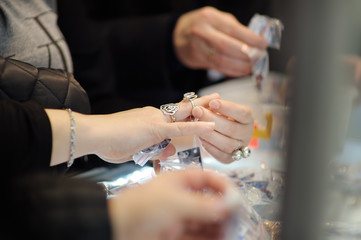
pixel 207 38
pixel 116 137
pixel 233 127
pixel 171 206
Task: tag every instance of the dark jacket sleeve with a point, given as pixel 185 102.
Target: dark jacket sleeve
pixel 25 138
pixel 36 203
pixel 45 207
pixel 51 88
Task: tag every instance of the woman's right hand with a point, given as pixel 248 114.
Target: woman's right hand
pixel 172 206
pixel 207 38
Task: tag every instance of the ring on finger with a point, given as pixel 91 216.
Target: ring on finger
pixel 242 152
pixel 190 96
pixel 170 109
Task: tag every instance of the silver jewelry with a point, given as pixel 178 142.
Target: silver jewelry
pixel 242 152
pixel 190 96
pixel 72 137
pixel 170 109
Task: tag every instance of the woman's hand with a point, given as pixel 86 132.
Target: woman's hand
pixel 116 137
pixel 172 206
pixel 234 127
pixel 223 126
pixel 207 38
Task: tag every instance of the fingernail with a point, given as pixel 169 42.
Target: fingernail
pixel 214 104
pixel 215 95
pixel 197 112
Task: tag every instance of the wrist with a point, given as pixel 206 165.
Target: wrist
pixel 85 135
pixel 61 123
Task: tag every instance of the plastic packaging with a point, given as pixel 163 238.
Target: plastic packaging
pixel 190 158
pixel 263 186
pixel 142 157
pixel 245 223
pixel 271 30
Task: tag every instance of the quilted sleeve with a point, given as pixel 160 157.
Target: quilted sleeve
pixel 51 88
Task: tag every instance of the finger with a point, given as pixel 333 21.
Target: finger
pixel 223 143
pixel 229 66
pixel 240 113
pixel 216 153
pixel 185 107
pixel 178 129
pixel 198 179
pixel 225 44
pixel 244 34
pixel 230 25
pixel 198 207
pixel 225 126
pixel 207 57
pixel 193 205
pixel 168 151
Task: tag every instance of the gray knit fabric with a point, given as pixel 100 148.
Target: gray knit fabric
pixel 29 33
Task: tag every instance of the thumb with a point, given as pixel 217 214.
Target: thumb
pixel 186 128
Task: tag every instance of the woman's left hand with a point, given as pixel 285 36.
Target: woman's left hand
pixel 116 137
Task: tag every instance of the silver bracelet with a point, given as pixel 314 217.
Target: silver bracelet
pixel 72 137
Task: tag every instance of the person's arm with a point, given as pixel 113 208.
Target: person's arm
pixel 116 137
pixel 223 127
pixel 25 137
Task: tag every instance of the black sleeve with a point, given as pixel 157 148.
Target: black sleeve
pixel 36 203
pixel 125 61
pixel 45 207
pixel 25 138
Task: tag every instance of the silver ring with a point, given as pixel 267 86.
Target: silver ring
pixel 242 152
pixel 170 109
pixel 190 96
